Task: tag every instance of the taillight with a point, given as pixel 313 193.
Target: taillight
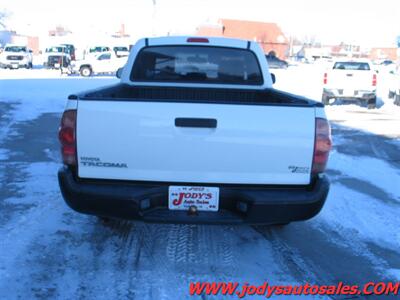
pixel 374 80
pixel 197 40
pixel 325 78
pixel 322 146
pixel 67 137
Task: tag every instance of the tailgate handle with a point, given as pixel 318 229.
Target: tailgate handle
pixel 196 122
pixel 349 75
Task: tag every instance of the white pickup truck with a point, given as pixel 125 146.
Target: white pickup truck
pixel 194 133
pixel 16 56
pixel 394 86
pixel 106 62
pixel 350 80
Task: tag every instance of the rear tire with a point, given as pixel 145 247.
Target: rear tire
pixel 397 99
pixel 104 220
pixel 280 225
pixel 372 103
pixel 85 71
pixel 325 99
pixel 391 94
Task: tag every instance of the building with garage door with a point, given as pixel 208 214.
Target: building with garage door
pixel 268 35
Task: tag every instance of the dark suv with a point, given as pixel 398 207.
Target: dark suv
pixel 275 62
pixel 70 50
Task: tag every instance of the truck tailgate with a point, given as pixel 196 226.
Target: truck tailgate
pixel 250 144
pixel 351 79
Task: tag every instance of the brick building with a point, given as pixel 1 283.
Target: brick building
pixel 11 37
pixel 383 53
pixel 268 35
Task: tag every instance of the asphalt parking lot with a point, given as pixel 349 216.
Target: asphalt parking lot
pixel 48 251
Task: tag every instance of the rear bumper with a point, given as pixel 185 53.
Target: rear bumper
pixel 14 64
pixel 149 201
pixel 354 94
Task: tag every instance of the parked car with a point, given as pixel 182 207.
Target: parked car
pixel 394 87
pixel 275 62
pixel 16 56
pixel 106 62
pixel 165 144
pixel 56 57
pixel 387 62
pixel 350 80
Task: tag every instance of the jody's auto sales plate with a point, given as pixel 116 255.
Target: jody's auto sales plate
pixel 203 198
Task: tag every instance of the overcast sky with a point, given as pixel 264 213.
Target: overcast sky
pixel 368 22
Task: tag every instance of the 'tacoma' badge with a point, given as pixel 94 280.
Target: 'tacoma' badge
pixel 96 162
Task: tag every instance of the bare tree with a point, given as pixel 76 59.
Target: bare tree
pixel 3 16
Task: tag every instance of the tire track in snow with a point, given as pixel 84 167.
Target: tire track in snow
pixel 318 255
pixel 195 245
pixel 6 120
pixel 288 256
pixel 173 253
pixel 140 261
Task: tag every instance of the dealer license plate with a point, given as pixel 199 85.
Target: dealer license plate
pixel 203 198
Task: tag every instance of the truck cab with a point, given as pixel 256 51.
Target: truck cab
pixel 56 57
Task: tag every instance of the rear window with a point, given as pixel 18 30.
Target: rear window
pixel 120 49
pixel 56 50
pixel 351 66
pixel 197 64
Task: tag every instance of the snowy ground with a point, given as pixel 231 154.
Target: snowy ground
pixel 47 251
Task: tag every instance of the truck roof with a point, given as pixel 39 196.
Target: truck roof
pixel 198 40
pixel 15 45
pixel 346 59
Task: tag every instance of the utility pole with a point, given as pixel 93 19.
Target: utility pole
pixel 291 46
pixel 153 26
pixel 62 60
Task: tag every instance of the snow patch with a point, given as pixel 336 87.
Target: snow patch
pixel 372 170
pixel 37 96
pixel 395 273
pixel 4 154
pixel 359 216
